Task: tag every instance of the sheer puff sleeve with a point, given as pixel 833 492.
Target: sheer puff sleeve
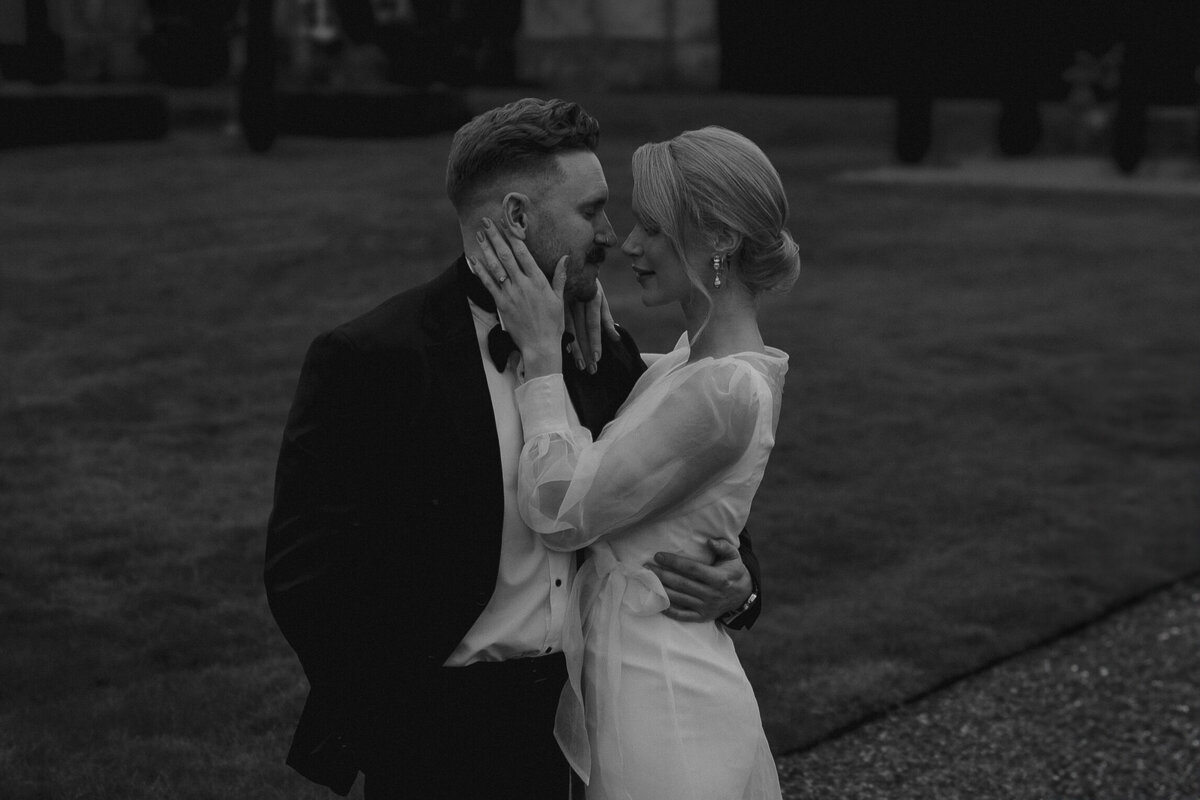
pixel 572 491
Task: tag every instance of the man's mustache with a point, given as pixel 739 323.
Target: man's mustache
pixel 596 254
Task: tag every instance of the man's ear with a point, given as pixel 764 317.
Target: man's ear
pixel 514 214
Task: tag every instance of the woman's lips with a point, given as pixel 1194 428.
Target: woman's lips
pixel 641 273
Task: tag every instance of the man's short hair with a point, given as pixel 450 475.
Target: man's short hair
pixel 522 136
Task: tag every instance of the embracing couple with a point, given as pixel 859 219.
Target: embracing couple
pixel 507 554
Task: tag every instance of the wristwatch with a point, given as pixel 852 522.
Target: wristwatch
pixel 742 609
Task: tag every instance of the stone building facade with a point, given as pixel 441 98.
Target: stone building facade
pixel 620 44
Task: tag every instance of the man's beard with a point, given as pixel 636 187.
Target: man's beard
pixel 581 278
pixel 596 254
pixel 581 285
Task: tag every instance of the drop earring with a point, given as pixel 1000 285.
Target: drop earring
pixel 716 264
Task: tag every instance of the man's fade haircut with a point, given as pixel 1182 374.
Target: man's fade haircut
pixel 522 136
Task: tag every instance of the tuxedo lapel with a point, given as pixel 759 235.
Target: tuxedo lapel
pixel 459 386
pixel 598 397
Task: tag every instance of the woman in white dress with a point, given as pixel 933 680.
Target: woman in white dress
pixel 656 708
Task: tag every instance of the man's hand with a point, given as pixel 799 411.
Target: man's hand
pixel 701 592
pixel 593 320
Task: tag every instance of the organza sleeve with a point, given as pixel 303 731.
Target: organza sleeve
pixel 572 491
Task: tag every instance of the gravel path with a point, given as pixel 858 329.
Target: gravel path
pixel 1109 713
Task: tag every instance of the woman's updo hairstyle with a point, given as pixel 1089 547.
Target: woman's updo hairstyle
pixel 711 180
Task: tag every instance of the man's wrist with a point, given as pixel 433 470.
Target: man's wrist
pixel 731 616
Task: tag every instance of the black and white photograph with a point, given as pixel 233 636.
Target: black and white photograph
pixel 599 399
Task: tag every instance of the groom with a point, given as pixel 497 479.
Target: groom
pixel 427 616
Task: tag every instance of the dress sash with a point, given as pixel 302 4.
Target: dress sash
pixel 632 589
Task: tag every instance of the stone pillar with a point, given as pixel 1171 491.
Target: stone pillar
pixel 619 44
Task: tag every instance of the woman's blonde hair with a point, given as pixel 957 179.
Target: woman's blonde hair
pixel 712 181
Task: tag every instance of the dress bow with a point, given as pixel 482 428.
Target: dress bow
pixel 635 590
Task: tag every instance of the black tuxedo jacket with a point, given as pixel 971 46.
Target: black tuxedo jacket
pixel 384 540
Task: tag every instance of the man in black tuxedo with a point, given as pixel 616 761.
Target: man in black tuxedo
pixel 426 615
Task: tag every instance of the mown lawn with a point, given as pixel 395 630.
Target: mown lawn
pixel 991 433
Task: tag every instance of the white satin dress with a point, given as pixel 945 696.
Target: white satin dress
pixel 654 709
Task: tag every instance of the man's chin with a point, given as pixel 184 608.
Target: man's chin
pixel 582 291
pixel 583 286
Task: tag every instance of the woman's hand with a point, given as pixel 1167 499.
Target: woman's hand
pixel 530 306
pixel 587 323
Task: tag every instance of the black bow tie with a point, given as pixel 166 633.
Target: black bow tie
pixel 500 342
pixel 500 347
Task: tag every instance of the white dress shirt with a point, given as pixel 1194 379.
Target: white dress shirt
pixel 524 616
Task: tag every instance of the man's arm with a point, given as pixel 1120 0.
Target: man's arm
pixel 728 589
pixel 311 535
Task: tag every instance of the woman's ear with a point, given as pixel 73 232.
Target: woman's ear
pixel 727 242
pixel 514 214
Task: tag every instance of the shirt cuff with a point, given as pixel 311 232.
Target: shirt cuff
pixel 542 403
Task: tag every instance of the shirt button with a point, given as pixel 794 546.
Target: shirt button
pixel 548 649
pixel 558 581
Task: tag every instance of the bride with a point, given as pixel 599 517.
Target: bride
pixel 657 708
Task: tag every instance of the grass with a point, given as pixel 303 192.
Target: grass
pixel 991 432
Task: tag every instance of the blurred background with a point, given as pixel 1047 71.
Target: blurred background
pixel 991 435
pixel 810 47
pixel 1117 66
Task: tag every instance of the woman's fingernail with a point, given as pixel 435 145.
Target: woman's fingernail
pixel 479 236
pixel 487 223
pixel 579 364
pixel 596 356
pixel 591 369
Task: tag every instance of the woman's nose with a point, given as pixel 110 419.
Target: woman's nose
pixel 629 247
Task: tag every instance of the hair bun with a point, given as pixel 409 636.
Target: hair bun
pixel 770 266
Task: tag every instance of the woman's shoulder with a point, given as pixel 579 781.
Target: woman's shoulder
pixel 663 362
pixel 741 377
pixel 769 364
pixel 745 373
